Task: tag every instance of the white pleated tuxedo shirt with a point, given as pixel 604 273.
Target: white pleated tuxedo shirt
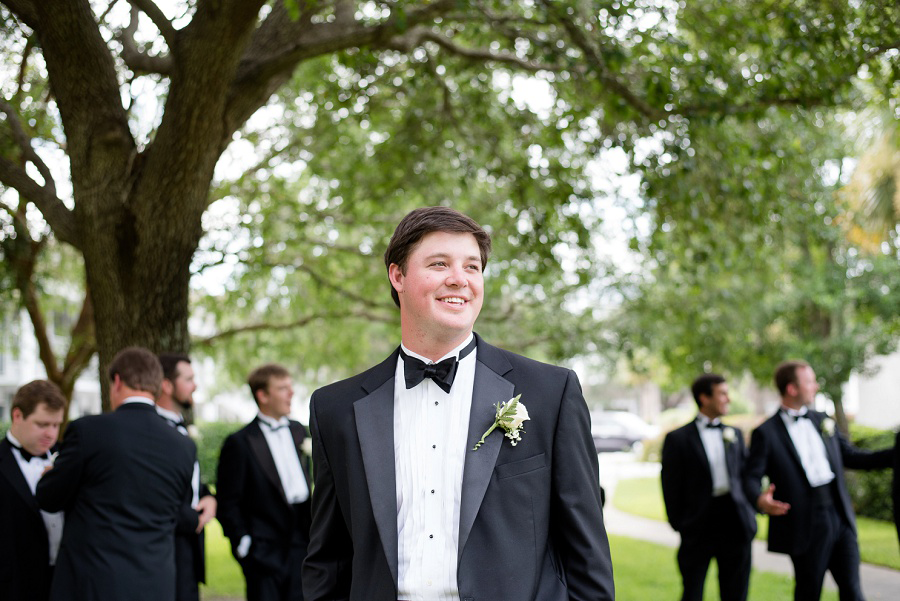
pixel 714 446
pixel 430 431
pixel 810 447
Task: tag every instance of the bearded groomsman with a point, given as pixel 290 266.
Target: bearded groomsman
pixel 811 516
pixel 702 482
pixel 176 396
pixel 263 491
pixel 30 540
pixel 405 507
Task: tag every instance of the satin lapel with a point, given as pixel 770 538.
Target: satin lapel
pixel 830 442
pixel 697 445
pixel 260 448
pixel 298 434
pixel 374 416
pixel 788 442
pixel 9 467
pixel 490 388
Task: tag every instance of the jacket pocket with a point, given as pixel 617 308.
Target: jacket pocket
pixel 522 466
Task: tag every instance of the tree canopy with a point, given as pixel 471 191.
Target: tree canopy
pixel 351 113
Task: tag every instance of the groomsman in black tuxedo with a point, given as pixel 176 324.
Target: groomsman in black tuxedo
pixel 30 539
pixel 811 516
pixel 122 479
pixel 175 396
pixel 263 491
pixel 702 482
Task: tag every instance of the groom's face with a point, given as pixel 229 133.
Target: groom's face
pixel 441 291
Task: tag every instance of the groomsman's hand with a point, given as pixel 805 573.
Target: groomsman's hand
pixel 767 503
pixel 206 507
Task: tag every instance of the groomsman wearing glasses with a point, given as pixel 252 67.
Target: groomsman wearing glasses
pixel 176 396
pixel 263 491
pixel 702 482
pixel 811 516
pixel 30 536
pixel 405 507
pixel 121 478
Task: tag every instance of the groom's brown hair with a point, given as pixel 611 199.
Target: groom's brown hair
pixel 420 222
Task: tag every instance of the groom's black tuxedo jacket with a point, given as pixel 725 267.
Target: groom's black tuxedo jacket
pixel 772 453
pixel 687 482
pixel 24 550
pixel 530 525
pixel 121 478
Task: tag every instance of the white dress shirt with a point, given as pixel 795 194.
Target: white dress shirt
pixel 430 432
pixel 810 447
pixel 178 422
pixel 278 436
pixel 33 470
pixel 715 454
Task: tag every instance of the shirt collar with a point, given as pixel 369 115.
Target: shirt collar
pixel 271 421
pixel 15 441
pixel 704 420
pixel 795 412
pixel 172 416
pixel 139 399
pixel 453 353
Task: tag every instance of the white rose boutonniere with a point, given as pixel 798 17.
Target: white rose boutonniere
pixel 193 431
pixel 306 446
pixel 510 416
pixel 728 435
pixel 828 427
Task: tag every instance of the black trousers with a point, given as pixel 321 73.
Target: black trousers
pixel 834 547
pixel 724 540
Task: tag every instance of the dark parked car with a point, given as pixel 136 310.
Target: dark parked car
pixel 620 431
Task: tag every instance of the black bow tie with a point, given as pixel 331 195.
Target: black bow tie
pixel 27 456
pixel 718 425
pixel 442 373
pixel 274 427
pixel 798 417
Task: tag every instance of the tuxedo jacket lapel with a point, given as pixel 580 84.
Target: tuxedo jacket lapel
pixel 490 388
pixel 9 467
pixel 788 442
pixel 374 415
pixel 260 448
pixel 298 434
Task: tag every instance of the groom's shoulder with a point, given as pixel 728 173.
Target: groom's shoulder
pixel 493 355
pixel 356 387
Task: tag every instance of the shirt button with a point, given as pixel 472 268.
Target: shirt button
pixel 434 446
pixel 432 491
pixel 435 402
pixel 430 536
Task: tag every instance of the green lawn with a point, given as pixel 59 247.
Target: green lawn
pixel 645 571
pixel 223 574
pixel 643 497
pixel 642 571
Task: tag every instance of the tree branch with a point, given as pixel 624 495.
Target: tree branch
pixel 57 215
pixel 83 343
pixel 24 142
pixel 25 10
pixel 598 65
pixel 415 37
pixel 299 323
pixel 138 61
pixel 149 8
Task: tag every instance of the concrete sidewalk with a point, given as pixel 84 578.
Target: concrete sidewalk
pixel 878 583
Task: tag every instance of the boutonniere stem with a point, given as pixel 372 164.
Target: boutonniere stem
pixel 510 417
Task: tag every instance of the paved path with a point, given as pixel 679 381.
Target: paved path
pixel 878 583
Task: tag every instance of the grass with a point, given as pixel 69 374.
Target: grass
pixel 643 497
pixel 224 577
pixel 642 571
pixel 645 570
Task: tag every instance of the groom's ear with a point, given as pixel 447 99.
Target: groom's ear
pixel 396 275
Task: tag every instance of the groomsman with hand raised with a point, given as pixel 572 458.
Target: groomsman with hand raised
pixel 811 515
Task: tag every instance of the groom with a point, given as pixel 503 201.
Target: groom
pixel 404 508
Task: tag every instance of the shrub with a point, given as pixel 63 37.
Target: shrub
pixel 870 491
pixel 209 443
